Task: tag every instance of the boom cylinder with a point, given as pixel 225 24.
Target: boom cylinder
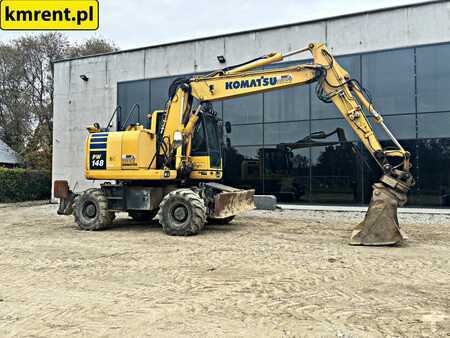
pixel 270 58
pixel 378 118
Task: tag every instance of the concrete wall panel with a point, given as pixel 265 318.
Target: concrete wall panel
pixel 429 24
pixel 170 60
pixel 389 29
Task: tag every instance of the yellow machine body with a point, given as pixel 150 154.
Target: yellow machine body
pixel 128 155
pixel 182 144
pixel 123 155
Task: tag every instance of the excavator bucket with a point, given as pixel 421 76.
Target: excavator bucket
pixel 380 226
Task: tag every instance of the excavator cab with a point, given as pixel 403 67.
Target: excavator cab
pixel 205 146
pixel 205 139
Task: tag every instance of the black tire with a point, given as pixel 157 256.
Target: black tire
pixel 220 221
pixel 91 211
pixel 142 215
pixel 182 213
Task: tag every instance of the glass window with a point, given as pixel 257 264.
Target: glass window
pixel 286 104
pixel 402 126
pixel 433 78
pixel 248 134
pixel 211 131
pixel 286 173
pixel 159 92
pixel 433 125
pixel 322 110
pixel 434 163
pixel 389 78
pixel 330 125
pixel 287 132
pixel 243 167
pixel 217 107
pixel 336 174
pixel 199 146
pixel 352 64
pixel 247 109
pixel 133 98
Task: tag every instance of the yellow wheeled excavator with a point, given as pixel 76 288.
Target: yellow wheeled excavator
pixel 174 167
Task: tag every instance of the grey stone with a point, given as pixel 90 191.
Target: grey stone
pixel 265 202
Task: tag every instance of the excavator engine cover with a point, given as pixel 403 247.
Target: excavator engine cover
pixel 380 225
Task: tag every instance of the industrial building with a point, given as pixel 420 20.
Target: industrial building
pixel 400 55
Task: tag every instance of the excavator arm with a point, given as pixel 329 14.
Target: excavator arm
pixel 333 85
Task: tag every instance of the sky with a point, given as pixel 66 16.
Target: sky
pixel 138 23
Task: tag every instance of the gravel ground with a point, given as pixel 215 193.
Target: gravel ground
pixel 278 273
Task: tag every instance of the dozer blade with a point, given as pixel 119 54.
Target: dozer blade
pixel 380 226
pixel 230 203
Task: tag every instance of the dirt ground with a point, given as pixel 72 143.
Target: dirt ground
pixel 275 273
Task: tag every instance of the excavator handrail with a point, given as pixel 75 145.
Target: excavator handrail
pixel 132 111
pixel 116 110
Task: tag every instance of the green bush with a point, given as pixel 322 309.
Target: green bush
pixel 18 185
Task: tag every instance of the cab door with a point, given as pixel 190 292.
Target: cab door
pixel 205 150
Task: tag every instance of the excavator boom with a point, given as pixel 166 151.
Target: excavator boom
pixel 333 85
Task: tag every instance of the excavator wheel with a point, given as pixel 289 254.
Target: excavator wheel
pixel 220 221
pixel 91 210
pixel 142 215
pixel 182 213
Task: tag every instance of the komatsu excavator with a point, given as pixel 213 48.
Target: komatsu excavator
pixel 174 167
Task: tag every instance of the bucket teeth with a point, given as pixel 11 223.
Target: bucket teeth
pixel 380 225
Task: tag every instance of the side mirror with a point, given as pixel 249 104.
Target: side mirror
pixel 228 127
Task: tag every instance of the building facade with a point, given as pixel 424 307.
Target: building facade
pixel 400 55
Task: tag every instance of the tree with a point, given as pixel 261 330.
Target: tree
pixel 15 115
pixel 35 56
pixel 94 45
pixel 26 91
